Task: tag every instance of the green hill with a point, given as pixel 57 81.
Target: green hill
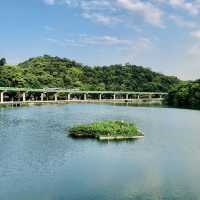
pixel 47 71
pixel 185 94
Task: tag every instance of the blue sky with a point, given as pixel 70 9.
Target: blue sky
pixel 161 34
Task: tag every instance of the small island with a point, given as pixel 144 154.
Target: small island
pixel 107 130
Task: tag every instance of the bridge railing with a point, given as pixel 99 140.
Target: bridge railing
pixel 44 92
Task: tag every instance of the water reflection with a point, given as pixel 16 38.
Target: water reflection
pixel 39 161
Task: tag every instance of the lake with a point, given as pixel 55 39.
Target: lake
pixel 38 161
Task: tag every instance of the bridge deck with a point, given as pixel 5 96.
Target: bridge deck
pixel 52 90
pixel 9 95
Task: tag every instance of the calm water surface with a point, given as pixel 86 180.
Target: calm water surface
pixel 39 162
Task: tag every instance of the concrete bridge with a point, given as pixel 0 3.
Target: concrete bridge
pixel 9 95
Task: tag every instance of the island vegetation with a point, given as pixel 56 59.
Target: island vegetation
pixel 107 130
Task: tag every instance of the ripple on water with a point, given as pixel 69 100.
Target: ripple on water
pixel 39 161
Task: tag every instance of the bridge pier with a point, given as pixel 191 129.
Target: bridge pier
pixel 114 96
pixel 127 97
pixel 85 97
pixel 100 97
pixel 42 97
pixel 150 97
pixel 56 97
pixel 2 97
pixel 24 96
pixel 68 96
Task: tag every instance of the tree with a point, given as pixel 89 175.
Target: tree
pixel 2 61
pixel 47 71
pixel 185 94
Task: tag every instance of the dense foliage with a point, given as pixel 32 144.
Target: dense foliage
pixel 2 61
pixel 47 71
pixel 185 94
pixel 105 128
pixel 54 72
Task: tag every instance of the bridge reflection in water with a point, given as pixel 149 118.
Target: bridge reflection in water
pixel 9 95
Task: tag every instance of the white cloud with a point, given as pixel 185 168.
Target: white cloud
pixel 180 21
pixel 55 41
pixel 105 11
pixel 151 13
pixel 137 49
pixel 190 6
pixel 100 18
pixel 103 40
pixel 94 5
pixel 194 50
pixel 196 34
pixel 139 45
pixel 84 40
pixel 50 2
pixel 99 11
pixel 64 42
pixel 109 12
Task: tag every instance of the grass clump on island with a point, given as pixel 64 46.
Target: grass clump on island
pixel 107 130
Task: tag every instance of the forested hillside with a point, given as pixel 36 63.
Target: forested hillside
pixel 185 94
pixel 47 71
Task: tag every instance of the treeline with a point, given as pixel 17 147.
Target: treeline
pixel 54 72
pixel 185 95
pixel 2 61
pixel 47 71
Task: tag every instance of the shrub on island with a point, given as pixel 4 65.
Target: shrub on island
pixel 107 130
